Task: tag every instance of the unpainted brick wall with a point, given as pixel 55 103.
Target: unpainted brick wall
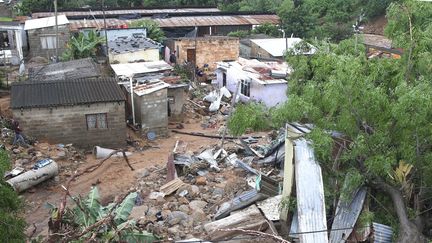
pixel 209 50
pixel 35 42
pixel 67 124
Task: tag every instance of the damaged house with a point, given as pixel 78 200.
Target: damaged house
pixel 42 35
pixel 84 112
pixel 256 81
pixel 203 50
pixel 133 48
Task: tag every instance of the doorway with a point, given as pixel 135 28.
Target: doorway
pixel 190 56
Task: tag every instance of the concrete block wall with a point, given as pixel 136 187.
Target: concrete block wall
pixel 67 124
pixel 35 42
pixel 154 112
pixel 257 51
pixel 179 96
pixel 209 50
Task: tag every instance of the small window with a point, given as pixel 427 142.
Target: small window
pixel 48 42
pixel 97 121
pixel 224 79
pixel 245 88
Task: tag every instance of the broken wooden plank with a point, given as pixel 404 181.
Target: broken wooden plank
pixel 288 178
pixel 249 149
pixel 171 186
pixel 247 219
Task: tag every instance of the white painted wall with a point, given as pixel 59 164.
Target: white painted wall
pixel 147 55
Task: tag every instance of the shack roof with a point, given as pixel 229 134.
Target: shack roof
pixel 45 22
pixel 75 69
pixel 132 69
pixel 261 72
pixel 185 21
pixel 31 94
pixel 129 11
pixel 277 46
pixel 125 44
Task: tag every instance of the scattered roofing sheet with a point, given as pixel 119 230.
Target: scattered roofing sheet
pixel 259 71
pixel 277 46
pixel 45 22
pixel 128 11
pixel 75 69
pixel 382 233
pixel 148 88
pixel 347 213
pixel 310 194
pixel 187 21
pixel 132 69
pixel 64 92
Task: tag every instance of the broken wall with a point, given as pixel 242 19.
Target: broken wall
pixel 68 124
pixel 176 100
pixel 209 50
pixel 152 112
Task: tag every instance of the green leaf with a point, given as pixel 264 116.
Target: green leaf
pixel 123 211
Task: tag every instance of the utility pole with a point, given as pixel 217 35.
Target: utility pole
pixel 105 31
pixel 56 31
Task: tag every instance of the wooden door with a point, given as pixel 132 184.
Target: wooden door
pixel 190 56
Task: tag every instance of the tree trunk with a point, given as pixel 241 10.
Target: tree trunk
pixel 408 231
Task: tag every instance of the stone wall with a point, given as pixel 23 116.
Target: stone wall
pixel 34 39
pixel 67 124
pixel 209 50
pixel 152 112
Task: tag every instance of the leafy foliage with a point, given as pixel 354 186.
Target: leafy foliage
pixel 82 46
pixel 248 116
pixel 11 224
pixel 239 33
pixel 89 212
pixel 268 29
pixel 153 31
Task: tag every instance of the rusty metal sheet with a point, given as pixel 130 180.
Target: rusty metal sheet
pixel 310 194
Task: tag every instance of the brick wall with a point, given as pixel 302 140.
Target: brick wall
pixel 67 124
pixel 152 112
pixel 34 39
pixel 209 50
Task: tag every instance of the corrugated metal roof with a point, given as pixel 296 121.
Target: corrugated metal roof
pixel 310 194
pixel 64 92
pixel 382 233
pixel 128 11
pixel 75 69
pixel 45 22
pixel 347 213
pixel 131 69
pixel 277 46
pixel 186 21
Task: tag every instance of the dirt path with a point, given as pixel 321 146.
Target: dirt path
pixel 114 176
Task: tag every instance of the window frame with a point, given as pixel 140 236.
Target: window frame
pixel 105 115
pixel 245 86
pixel 44 39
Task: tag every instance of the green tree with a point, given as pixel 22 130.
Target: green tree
pixel 153 31
pixel 82 46
pixel 11 224
pixel 268 29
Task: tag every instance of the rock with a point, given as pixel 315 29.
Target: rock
pixel 194 191
pixel 200 180
pixel 61 155
pixel 184 209
pixel 152 211
pixel 160 200
pixel 16 151
pixel 183 200
pixel 197 204
pixel 165 213
pixel 218 192
pixel 199 216
pixel 184 187
pixel 142 173
pixel 173 230
pixel 139 211
pixel 175 217
pixel 25 161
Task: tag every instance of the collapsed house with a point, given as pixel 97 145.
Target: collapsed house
pixel 84 112
pixel 255 81
pixel 42 36
pixel 380 46
pixel 203 50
